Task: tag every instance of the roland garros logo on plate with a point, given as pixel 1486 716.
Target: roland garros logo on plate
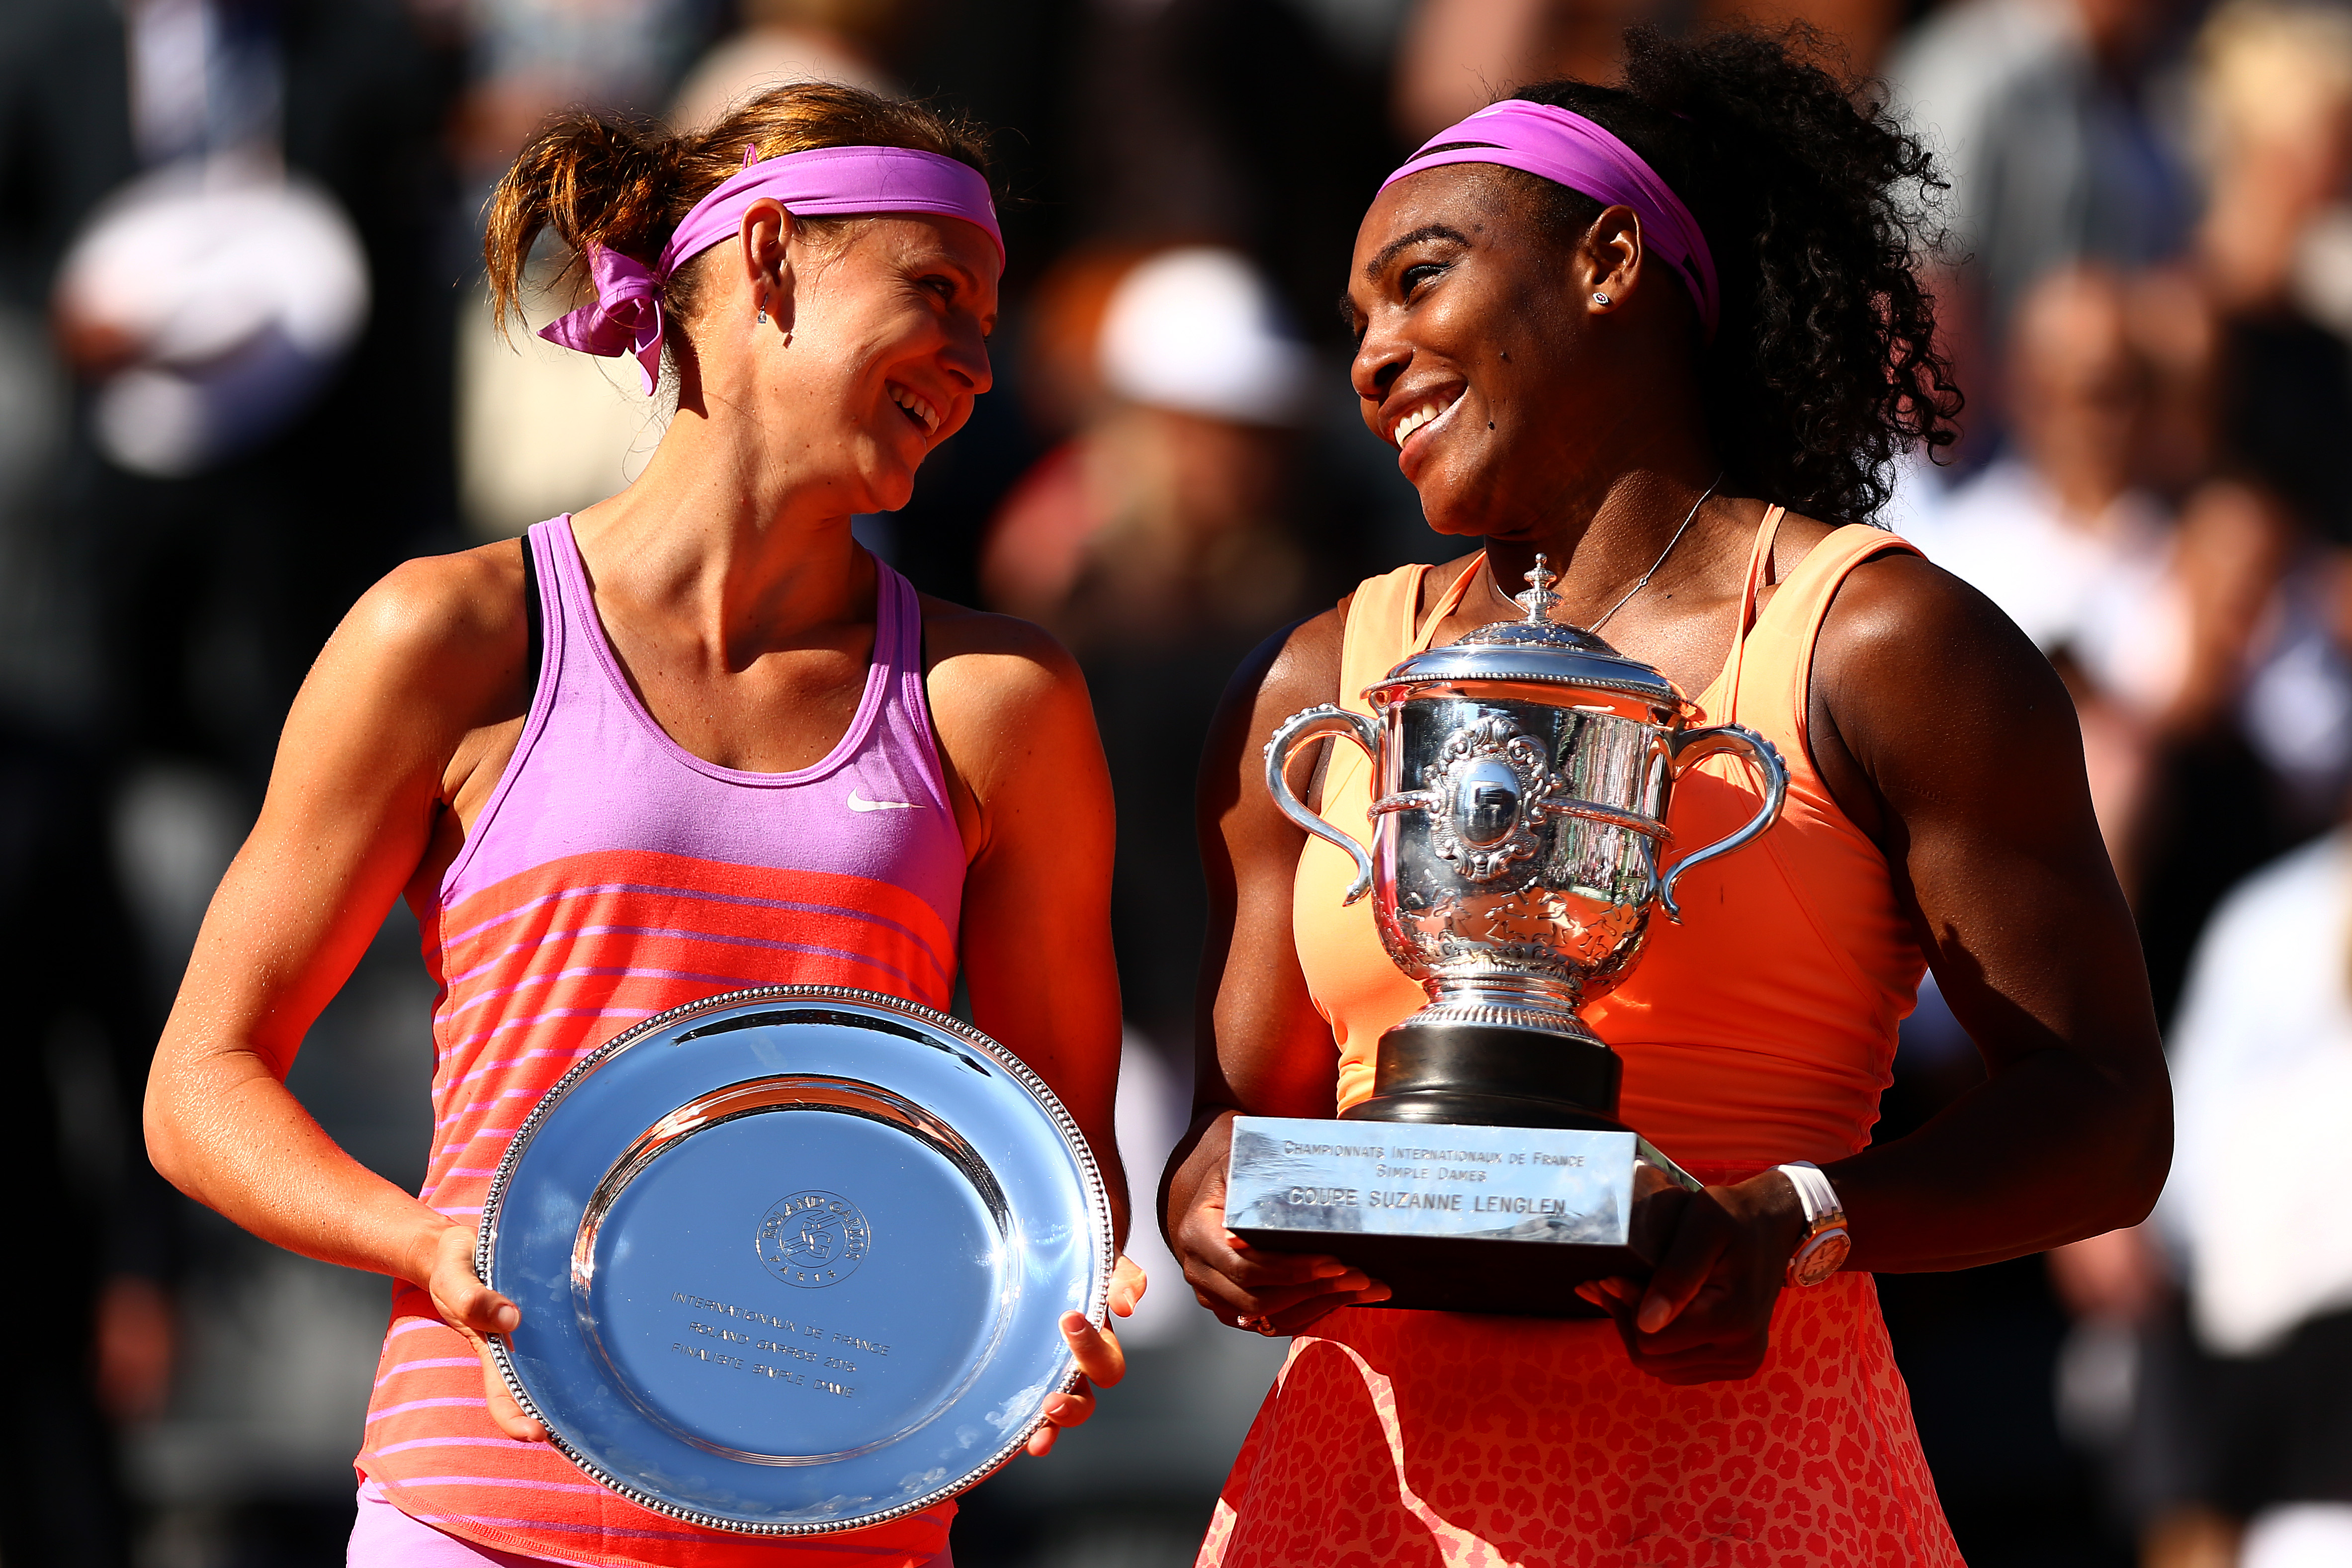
pixel 812 1239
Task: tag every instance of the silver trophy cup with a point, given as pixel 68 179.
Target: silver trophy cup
pixel 1518 849
pixel 1522 778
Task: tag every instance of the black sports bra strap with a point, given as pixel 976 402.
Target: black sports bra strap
pixel 534 630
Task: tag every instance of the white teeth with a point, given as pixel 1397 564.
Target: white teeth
pixel 1416 420
pixel 913 403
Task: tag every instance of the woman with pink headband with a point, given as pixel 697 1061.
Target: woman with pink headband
pixel 1669 335
pixel 690 739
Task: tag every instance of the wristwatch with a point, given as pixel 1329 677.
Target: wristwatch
pixel 1827 1240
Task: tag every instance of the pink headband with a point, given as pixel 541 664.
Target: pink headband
pixel 626 317
pixel 1569 150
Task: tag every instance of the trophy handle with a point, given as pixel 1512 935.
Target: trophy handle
pixel 1288 736
pixel 1694 746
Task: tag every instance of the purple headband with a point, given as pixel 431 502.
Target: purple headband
pixel 626 317
pixel 1569 150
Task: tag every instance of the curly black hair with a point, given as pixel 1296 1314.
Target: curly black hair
pixel 1819 207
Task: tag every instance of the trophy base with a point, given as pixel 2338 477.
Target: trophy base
pixel 1454 1217
pixel 1492 1075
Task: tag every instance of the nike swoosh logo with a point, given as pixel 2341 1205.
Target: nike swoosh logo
pixel 857 803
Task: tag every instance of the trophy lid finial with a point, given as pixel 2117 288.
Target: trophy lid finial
pixel 1538 599
pixel 1539 649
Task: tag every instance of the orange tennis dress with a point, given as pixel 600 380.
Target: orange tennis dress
pixel 1761 1030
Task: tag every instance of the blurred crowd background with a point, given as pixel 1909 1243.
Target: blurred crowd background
pixel 246 367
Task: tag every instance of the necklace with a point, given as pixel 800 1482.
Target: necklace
pixel 1644 580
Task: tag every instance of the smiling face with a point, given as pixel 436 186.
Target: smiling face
pixel 1478 360
pixel 888 319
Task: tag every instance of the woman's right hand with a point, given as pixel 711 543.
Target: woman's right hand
pixel 1272 1294
pixel 476 1311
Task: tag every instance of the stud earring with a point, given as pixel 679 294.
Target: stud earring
pixel 763 315
pixel 1599 299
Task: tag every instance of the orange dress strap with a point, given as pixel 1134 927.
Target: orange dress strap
pixel 1385 625
pixel 1777 655
pixel 1762 1028
pixel 1760 558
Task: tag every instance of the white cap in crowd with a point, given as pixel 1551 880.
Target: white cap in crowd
pixel 1197 330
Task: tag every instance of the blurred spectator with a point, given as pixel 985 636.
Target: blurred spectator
pixel 792 40
pixel 1166 498
pixel 229 215
pixel 2273 132
pixel 541 430
pixel 2266 719
pixel 532 57
pixel 1457 56
pixel 2273 120
pixel 209 301
pixel 2058 535
pixel 2056 532
pixel 1061 382
pixel 86 1204
pixel 2035 108
pixel 1161 542
pixel 2262 1065
pixel 205 502
pixel 1235 122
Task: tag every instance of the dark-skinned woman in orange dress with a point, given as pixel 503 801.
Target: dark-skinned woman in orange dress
pixel 1562 375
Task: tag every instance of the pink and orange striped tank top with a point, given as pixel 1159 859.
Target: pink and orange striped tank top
pixel 612 875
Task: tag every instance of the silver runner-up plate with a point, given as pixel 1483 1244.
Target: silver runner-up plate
pixel 793 1260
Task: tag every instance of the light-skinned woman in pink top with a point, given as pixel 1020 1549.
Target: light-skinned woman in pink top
pixel 690 738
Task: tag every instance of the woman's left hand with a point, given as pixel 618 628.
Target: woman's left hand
pixel 1101 1362
pixel 1706 1315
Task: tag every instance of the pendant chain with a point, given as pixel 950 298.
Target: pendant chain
pixel 1644 581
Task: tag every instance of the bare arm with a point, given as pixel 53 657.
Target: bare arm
pixel 1263 1048
pixel 1013 713
pixel 1018 729
pixel 1947 737
pixel 1969 746
pixel 393 721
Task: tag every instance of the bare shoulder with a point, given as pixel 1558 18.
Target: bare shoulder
pixel 1927 697
pixel 423 672
pixel 455 624
pixel 952 631
pixel 1906 619
pixel 1297 668
pixel 998 663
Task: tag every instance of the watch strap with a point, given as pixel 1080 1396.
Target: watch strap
pixel 1818 1198
pixel 1827 1241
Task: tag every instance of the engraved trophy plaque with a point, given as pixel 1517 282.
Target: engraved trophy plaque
pixel 793 1260
pixel 1521 782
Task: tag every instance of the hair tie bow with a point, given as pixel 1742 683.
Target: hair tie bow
pixel 626 318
